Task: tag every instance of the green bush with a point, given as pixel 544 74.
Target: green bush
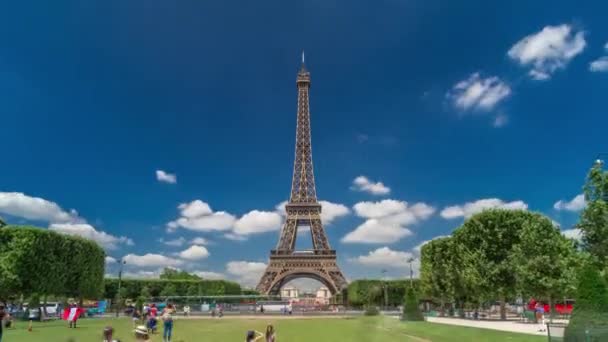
pixel 154 288
pixel 371 310
pixel 411 309
pixel 591 308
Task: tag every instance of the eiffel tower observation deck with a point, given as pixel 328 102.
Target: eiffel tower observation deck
pixel 303 210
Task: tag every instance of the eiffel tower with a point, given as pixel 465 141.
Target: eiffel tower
pixel 302 210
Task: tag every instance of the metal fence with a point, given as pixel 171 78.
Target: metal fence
pixel 560 333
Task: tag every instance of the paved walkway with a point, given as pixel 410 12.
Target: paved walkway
pixel 511 326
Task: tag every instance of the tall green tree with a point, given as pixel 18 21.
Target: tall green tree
pixel 490 237
pixel 174 274
pixel 589 321
pixel 594 218
pixel 436 270
pixel 169 290
pixel 545 261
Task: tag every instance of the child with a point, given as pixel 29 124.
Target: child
pixel 141 334
pixel 107 334
pixel 253 336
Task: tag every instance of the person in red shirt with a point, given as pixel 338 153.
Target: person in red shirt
pixel 153 310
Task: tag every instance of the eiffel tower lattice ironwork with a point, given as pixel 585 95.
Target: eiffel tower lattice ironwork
pixel 303 209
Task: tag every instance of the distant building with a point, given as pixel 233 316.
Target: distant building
pixel 323 295
pixel 290 292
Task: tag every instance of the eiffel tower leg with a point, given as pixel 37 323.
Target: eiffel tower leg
pixel 319 239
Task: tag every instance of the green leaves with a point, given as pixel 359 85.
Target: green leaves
pixel 594 218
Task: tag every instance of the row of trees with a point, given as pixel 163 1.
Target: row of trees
pixel 377 292
pixel 500 254
pixel 504 254
pixel 151 288
pixel 37 263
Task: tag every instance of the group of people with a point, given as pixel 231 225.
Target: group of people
pixel 254 336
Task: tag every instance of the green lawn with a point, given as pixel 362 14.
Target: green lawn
pixel 364 329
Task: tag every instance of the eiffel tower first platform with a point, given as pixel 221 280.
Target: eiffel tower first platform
pixel 303 209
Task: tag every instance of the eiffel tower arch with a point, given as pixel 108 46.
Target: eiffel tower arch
pixel 303 209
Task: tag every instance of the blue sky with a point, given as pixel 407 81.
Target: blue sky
pixel 452 106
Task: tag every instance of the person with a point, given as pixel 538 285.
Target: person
pixel 289 308
pixel 107 334
pixel 151 324
pixel 186 310
pixel 167 322
pixel 253 336
pixel 262 308
pixel 145 312
pixel 136 317
pixel 2 315
pixel 141 334
pixel 153 310
pixel 270 334
pixel 71 314
pixel 540 316
pixel 220 311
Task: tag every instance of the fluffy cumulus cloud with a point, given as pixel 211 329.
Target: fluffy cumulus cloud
pixel 235 237
pixel 166 177
pixel 363 183
pixel 477 93
pixel 578 203
pixel 573 234
pixel 386 221
pixel 151 260
pixel 548 50
pixel 34 208
pixel 198 216
pixel 194 252
pixel 385 257
pixel 199 241
pixel 87 231
pixel 469 209
pixel 245 272
pixel 600 64
pixel 110 260
pixel 209 275
pixel 173 243
pixel 257 221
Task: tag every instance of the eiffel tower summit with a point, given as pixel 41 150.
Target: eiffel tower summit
pixel 303 210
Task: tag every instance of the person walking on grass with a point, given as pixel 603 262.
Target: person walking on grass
pixel 540 316
pixel 253 336
pixel 270 334
pixel 167 322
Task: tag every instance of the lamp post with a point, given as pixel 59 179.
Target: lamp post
pixel 384 288
pixel 121 263
pixel 411 260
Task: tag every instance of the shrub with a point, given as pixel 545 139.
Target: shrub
pixel 590 315
pixel 411 309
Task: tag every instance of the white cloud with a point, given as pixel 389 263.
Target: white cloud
pixel 500 120
pixel 166 177
pixel 376 231
pixel 476 93
pixel 257 222
pixel 194 252
pixel 209 275
pixel 573 234
pixel 385 257
pixel 599 65
pixel 173 243
pixel 141 274
pixel 362 183
pixel 469 209
pixel 576 204
pixel 247 273
pixel 548 50
pixel 110 260
pixel 194 209
pixel 386 220
pixel 198 216
pixel 87 231
pixel 199 241
pixel 235 237
pixel 34 208
pixel 151 260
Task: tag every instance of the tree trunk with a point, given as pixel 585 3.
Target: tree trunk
pixel 551 309
pixel 503 309
pixel 442 309
pixel 42 317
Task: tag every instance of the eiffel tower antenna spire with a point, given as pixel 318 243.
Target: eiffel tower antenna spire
pixel 302 56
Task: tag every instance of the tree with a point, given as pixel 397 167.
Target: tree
pixel 193 290
pixel 169 290
pixel 411 309
pixel 594 218
pixel 545 261
pixel 590 314
pixel 145 293
pixel 174 274
pixel 490 237
pixel 2 223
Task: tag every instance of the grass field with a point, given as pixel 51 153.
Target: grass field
pixel 364 329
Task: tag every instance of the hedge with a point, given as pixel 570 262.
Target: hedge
pixel 43 262
pixel 132 288
pixel 359 291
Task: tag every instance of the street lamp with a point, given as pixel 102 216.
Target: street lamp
pixel 411 260
pixel 121 263
pixel 385 288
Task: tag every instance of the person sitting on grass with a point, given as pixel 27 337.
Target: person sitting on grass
pixel 253 336
pixel 107 334
pixel 270 334
pixel 141 334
